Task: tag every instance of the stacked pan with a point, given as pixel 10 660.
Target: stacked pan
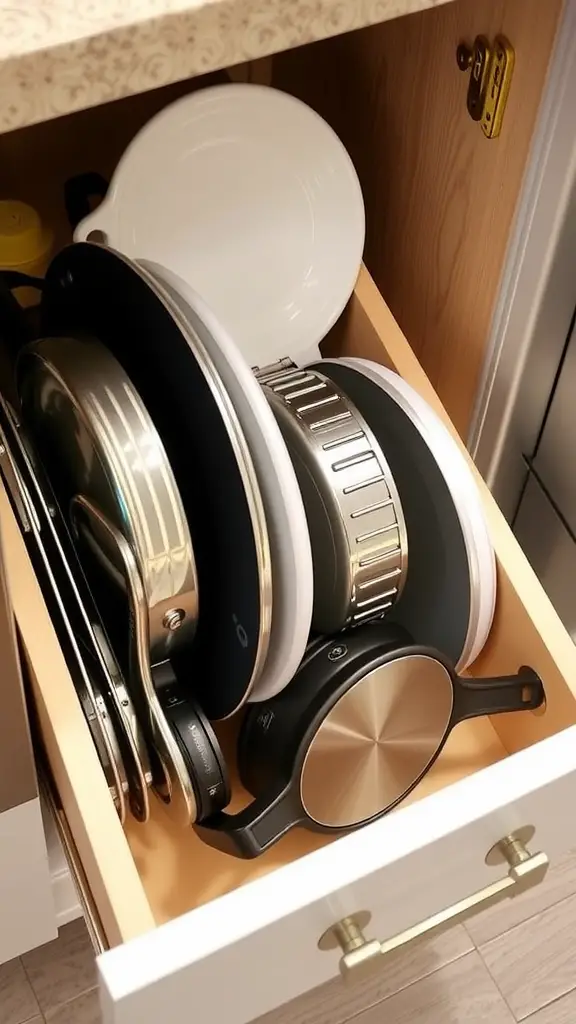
pixel 237 523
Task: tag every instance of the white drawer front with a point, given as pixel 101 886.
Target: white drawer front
pixel 26 906
pixel 256 948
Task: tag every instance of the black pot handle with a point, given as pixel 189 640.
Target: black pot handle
pixel 16 279
pixel 253 830
pixel 77 194
pixel 15 328
pixel 474 697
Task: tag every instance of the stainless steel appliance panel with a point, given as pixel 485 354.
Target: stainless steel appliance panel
pixel 551 550
pixel 555 462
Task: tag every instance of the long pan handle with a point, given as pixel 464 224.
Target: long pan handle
pixel 174 785
pixel 521 692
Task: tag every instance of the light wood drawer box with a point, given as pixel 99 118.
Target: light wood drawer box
pixel 199 932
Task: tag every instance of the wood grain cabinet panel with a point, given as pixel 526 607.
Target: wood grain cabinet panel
pixel 440 197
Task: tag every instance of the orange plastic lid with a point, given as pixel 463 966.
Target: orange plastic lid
pixel 23 238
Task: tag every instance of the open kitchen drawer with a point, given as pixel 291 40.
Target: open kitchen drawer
pixel 198 932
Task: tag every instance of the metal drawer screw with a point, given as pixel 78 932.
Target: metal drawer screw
pixel 173 619
pixel 464 57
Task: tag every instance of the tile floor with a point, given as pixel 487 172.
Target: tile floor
pixel 54 984
pixel 514 963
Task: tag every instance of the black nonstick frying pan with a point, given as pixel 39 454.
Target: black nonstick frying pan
pixel 362 722
pixel 92 291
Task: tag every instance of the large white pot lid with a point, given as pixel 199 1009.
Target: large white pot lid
pixel 249 196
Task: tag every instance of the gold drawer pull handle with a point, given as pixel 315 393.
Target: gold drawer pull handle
pixel 360 955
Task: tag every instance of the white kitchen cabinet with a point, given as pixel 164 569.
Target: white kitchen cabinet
pixel 27 916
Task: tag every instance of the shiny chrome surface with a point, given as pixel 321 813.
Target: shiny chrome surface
pixel 376 741
pixel 85 898
pixel 175 787
pixel 84 402
pixel 450 483
pixel 93 704
pixel 336 454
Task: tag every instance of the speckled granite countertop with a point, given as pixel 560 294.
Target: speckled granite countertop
pixel 57 56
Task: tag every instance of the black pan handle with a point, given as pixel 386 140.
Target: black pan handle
pixel 253 830
pixel 521 692
pixel 15 326
pixel 78 191
pixel 16 279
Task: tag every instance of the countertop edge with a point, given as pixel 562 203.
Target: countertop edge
pixel 98 61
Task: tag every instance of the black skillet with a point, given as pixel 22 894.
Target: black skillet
pixel 364 719
pixel 91 290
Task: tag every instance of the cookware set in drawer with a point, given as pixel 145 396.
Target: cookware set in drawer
pixel 220 516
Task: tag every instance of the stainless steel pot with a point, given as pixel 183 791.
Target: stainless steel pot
pixel 103 451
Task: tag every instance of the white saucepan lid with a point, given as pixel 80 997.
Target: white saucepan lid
pixel 249 196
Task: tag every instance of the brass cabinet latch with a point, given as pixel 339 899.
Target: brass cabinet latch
pixel 490 70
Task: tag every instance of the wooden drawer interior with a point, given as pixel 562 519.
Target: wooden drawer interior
pixel 149 874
